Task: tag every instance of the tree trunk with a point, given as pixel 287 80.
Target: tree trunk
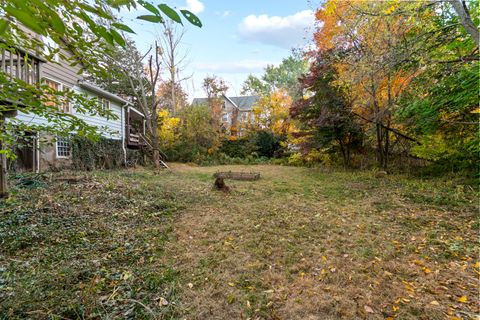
pixel 344 154
pixel 3 168
pixel 386 151
pixel 462 11
pixel 378 128
pixel 156 158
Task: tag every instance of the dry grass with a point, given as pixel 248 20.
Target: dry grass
pixel 297 244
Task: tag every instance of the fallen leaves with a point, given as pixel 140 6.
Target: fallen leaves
pixel 368 309
pixel 462 299
pixel 163 302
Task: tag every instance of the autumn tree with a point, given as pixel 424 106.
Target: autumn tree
pixel 165 93
pixel 381 47
pixel 325 116
pixel 370 42
pixel 215 88
pixel 271 113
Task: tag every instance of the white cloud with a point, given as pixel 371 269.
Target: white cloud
pixel 226 13
pixel 243 66
pixel 195 6
pixel 285 32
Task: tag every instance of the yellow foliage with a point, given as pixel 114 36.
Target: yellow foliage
pixel 167 126
pixel 272 112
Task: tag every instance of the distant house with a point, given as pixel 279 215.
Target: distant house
pixel 40 151
pixel 236 112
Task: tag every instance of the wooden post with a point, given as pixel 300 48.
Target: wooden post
pixel 3 167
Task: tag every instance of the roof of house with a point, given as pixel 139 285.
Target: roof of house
pixel 101 92
pixel 199 101
pixel 243 103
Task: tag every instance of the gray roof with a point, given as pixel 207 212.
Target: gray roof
pixel 99 91
pixel 199 101
pixel 243 103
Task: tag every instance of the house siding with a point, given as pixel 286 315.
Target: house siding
pixel 114 127
pixel 62 71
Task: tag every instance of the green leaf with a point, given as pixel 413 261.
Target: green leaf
pixel 97 11
pixel 102 32
pixel 57 23
pixel 123 27
pixel 3 26
pixel 150 7
pixel 117 37
pixel 26 19
pixel 150 18
pixel 193 19
pixel 172 14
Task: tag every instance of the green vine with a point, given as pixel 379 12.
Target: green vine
pixel 103 154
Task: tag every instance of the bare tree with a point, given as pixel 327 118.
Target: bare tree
pixel 144 81
pixel 174 60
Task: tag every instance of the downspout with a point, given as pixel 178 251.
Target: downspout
pixel 37 152
pixel 123 135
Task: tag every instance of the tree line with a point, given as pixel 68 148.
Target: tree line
pixel 384 82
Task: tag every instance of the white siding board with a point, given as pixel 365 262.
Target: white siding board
pixel 115 127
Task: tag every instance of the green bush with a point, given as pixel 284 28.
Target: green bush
pixel 239 148
pixel 267 144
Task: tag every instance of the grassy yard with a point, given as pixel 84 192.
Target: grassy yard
pixel 298 244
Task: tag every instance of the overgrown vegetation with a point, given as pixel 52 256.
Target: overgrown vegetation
pixel 103 154
pixel 298 243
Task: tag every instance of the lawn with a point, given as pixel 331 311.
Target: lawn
pixel 299 243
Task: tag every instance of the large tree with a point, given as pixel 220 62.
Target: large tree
pixel 284 76
pixel 325 117
pixel 381 47
pixel 174 61
pixel 215 87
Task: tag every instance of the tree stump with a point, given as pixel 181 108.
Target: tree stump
pixel 220 185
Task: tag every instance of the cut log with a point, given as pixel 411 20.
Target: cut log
pixel 246 176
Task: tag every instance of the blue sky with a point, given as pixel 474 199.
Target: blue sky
pixel 238 37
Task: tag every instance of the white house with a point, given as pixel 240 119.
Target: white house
pixel 40 151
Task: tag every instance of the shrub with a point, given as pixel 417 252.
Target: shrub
pixel 267 144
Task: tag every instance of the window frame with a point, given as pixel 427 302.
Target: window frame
pixel 108 104
pixel 66 140
pixel 62 87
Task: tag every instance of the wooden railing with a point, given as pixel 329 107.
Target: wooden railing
pixel 134 138
pixel 18 64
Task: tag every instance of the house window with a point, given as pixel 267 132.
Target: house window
pixel 57 86
pixel 63 147
pixel 105 104
pixel 225 117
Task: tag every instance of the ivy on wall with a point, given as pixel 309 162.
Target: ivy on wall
pixel 103 154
